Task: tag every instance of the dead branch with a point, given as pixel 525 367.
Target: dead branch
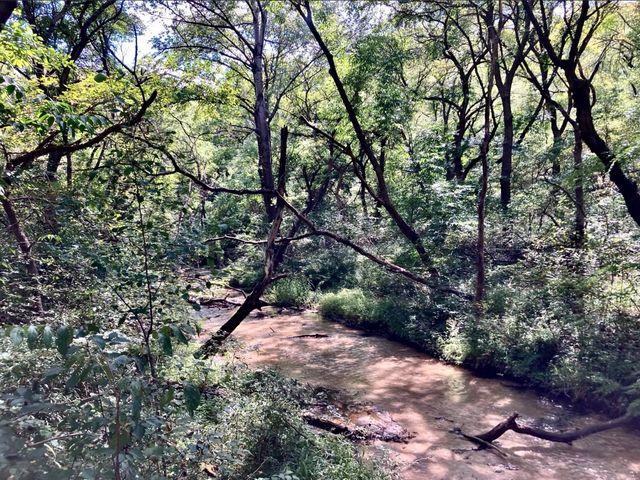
pixel 510 423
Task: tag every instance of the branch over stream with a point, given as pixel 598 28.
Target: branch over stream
pixel 510 423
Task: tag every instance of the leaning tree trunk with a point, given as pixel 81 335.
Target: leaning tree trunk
pixel 273 257
pixel 580 91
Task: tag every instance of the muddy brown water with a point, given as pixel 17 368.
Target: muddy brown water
pixel 430 398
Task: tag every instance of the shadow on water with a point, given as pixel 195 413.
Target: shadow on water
pixel 430 398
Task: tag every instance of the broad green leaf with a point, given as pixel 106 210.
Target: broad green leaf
pixel 64 337
pixel 47 336
pixel 16 335
pixel 100 77
pixel 165 344
pixel 179 334
pixel 192 397
pixel 32 337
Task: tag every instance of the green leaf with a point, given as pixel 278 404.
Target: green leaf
pixel 179 334
pixel 165 344
pixel 52 372
pixel 167 397
pixel 32 337
pixel 47 337
pixel 16 335
pixel 120 438
pixel 136 407
pixel 79 374
pixel 10 89
pixel 100 77
pixel 64 337
pixel 139 431
pixel 106 369
pixel 191 397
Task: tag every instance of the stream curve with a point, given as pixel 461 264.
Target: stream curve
pixel 431 398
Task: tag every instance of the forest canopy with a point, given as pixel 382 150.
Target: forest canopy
pixel 460 175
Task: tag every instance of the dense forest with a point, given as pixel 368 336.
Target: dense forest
pixel 457 175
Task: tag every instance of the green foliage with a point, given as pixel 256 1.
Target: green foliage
pixel 351 306
pixel 192 397
pixel 255 431
pixel 290 292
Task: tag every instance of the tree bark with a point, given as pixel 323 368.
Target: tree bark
pixel 6 9
pixel 492 42
pixel 506 166
pixel 273 257
pixel 580 213
pixel 580 90
pixel 261 111
pixel 15 227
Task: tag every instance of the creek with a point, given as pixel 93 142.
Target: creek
pixel 430 399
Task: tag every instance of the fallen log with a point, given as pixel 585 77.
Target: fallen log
pixel 510 423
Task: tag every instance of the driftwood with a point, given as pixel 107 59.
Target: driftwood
pixel 563 437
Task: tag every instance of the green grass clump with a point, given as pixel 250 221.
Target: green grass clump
pixel 290 292
pixel 350 306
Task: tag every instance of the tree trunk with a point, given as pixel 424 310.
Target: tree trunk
pixel 274 254
pixel 454 165
pixel 507 147
pixel 261 112
pixel 580 91
pixel 492 41
pixel 25 248
pixel 556 146
pixel 580 214
pixel 6 9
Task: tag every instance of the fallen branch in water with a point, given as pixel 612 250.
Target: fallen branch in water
pixel 310 335
pixel 562 437
pixel 481 442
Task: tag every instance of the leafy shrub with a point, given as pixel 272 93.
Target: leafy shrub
pixel 290 292
pixel 351 306
pixel 255 431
